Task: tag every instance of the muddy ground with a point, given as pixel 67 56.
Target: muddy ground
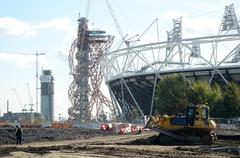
pixel 74 143
pixel 7 135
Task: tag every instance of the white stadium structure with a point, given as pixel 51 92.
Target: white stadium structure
pixel 132 74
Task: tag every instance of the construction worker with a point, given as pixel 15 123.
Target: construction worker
pixel 18 134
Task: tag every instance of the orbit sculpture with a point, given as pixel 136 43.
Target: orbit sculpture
pixel 88 102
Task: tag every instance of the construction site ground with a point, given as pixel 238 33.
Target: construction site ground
pixel 75 143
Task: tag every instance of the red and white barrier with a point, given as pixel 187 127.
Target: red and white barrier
pixel 130 130
pixel 122 128
pixel 106 126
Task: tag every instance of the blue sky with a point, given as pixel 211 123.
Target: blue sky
pixel 50 26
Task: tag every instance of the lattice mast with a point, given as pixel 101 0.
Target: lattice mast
pixel 84 63
pixel 229 20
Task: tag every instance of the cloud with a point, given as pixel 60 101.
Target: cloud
pixel 194 26
pixel 173 14
pixel 22 61
pixel 14 27
pixel 200 26
pixel 60 24
pixel 63 51
pixel 225 2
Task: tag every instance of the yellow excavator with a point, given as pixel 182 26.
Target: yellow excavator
pixel 194 127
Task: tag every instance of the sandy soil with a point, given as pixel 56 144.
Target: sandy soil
pixel 112 146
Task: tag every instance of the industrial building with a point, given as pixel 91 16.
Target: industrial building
pixel 47 95
pixel 22 117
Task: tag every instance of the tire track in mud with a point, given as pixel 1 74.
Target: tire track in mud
pixel 112 146
pixel 142 145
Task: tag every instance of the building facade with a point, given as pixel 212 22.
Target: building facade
pixel 47 95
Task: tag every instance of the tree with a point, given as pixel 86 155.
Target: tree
pixel 175 93
pixel 203 93
pixel 200 91
pixel 135 114
pixel 232 101
pixel 102 117
pixel 216 101
pixel 172 94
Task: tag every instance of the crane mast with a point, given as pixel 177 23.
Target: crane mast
pixel 37 77
pixel 115 21
pixel 30 99
pixel 19 101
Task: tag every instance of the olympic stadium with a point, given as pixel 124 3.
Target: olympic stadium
pixel 133 73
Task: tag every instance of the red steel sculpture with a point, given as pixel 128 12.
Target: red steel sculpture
pixel 88 102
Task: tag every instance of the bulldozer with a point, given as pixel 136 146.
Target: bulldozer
pixel 195 127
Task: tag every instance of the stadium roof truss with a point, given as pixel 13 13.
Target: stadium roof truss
pixel 209 55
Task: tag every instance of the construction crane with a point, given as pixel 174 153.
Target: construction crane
pixel 30 103
pixel 115 20
pixel 19 101
pixel 123 37
pixel 37 54
pixel 37 88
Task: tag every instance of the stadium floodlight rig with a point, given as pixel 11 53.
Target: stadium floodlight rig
pixel 132 74
pixel 88 102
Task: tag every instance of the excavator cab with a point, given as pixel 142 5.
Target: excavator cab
pixel 197 115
